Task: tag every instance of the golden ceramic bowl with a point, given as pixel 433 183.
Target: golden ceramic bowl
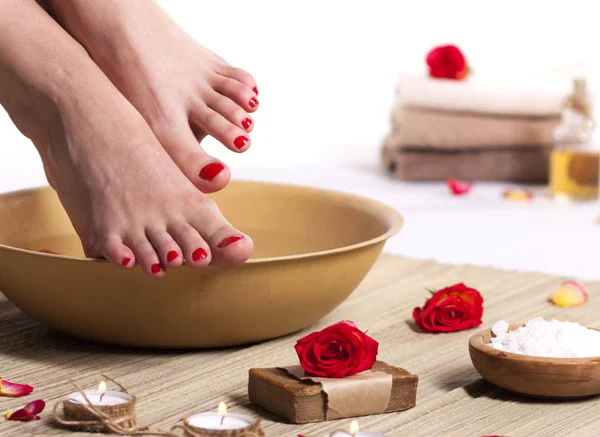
pixel 534 376
pixel 313 248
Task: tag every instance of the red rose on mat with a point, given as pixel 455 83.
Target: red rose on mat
pixel 451 309
pixel 338 351
pixel 447 62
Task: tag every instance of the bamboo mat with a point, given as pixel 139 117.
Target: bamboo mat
pixel 452 399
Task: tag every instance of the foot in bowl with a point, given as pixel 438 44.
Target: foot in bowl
pixel 183 90
pixel 127 199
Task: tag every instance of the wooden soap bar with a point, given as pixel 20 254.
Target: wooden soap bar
pixel 304 401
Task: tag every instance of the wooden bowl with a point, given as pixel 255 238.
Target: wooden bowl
pixel 534 376
pixel 313 248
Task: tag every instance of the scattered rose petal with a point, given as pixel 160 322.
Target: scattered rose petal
pixel 27 413
pixel 458 188
pixel 569 294
pixel 8 388
pixel 48 251
pixel 519 194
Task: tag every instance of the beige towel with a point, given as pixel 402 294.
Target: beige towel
pixel 430 128
pixel 525 164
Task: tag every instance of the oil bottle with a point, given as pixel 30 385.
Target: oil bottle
pixel 574 159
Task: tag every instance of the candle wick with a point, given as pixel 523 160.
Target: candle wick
pixel 101 396
pixel 222 420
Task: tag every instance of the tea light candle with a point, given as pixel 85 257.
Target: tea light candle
pixel 355 432
pixel 221 422
pixel 119 406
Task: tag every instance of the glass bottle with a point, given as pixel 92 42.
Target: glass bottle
pixel 574 159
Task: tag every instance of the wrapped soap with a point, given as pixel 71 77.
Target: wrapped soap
pixel 290 394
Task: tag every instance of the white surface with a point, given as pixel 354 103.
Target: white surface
pixel 480 228
pixel 327 72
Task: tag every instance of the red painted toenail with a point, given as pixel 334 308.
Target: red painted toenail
pixel 240 142
pixel 156 268
pixel 253 102
pixel 229 240
pixel 210 171
pixel 199 254
pixel 125 261
pixel 246 123
pixel 172 255
pixel 255 90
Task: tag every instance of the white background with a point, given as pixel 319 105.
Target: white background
pixel 326 71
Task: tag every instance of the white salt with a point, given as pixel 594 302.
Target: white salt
pixel 547 338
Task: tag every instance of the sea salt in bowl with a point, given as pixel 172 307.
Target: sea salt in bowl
pixel 313 247
pixel 532 375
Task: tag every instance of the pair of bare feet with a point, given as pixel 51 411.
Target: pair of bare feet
pixel 117 107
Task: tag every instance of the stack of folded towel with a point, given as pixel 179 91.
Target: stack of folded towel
pixel 468 130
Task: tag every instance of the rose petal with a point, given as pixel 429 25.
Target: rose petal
pixel 519 194
pixel 458 188
pixel 569 294
pixel 48 251
pixel 27 413
pixel 35 407
pixel 11 389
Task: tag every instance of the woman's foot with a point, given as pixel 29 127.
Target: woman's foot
pixel 183 90
pixel 127 199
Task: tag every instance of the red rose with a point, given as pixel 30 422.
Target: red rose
pixel 447 62
pixel 451 309
pixel 338 351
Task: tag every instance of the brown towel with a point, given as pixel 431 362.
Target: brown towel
pixel 518 164
pixel 419 127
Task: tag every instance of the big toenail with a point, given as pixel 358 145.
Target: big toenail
pixel 229 240
pixel 125 261
pixel 240 142
pixel 199 254
pixel 156 268
pixel 210 171
pixel 246 123
pixel 255 90
pixel 172 255
pixel 253 102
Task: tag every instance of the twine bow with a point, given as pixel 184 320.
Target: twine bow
pixel 119 425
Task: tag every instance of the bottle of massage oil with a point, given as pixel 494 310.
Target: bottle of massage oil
pixel 574 159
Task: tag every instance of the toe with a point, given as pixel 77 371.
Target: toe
pixel 146 256
pixel 228 246
pixel 205 172
pixel 240 75
pixel 241 94
pixel 230 111
pixel 195 250
pixel 214 124
pixel 117 253
pixel 167 249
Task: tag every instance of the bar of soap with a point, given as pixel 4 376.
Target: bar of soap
pixel 304 401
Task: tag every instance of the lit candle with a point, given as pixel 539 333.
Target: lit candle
pixel 221 420
pixel 115 405
pixel 355 432
pixel 101 397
